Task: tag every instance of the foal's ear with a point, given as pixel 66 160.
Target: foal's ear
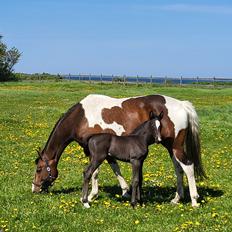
pixel 161 115
pixel 151 115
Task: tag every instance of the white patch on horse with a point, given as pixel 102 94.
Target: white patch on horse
pixel 177 114
pixel 93 105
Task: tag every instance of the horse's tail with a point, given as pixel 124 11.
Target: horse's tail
pixel 192 140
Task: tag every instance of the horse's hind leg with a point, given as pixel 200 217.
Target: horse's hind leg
pixel 115 167
pixel 188 168
pixel 179 175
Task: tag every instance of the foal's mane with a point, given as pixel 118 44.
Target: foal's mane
pixel 140 127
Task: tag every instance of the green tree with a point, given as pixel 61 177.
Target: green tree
pixel 8 58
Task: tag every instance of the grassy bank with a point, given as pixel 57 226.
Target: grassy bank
pixel 28 114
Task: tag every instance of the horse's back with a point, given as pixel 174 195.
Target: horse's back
pixel 122 115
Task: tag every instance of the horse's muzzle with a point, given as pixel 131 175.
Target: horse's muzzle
pixel 35 188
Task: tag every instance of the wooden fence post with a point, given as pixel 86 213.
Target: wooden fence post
pixel 181 80
pixel 151 80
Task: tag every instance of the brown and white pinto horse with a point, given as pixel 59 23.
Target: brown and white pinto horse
pixel 102 114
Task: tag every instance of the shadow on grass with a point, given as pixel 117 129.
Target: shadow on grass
pixel 151 194
pixel 157 194
pixel 65 190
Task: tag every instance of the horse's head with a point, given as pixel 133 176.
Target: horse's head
pixel 45 174
pixel 156 125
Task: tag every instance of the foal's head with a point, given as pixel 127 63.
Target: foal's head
pixel 45 174
pixel 156 125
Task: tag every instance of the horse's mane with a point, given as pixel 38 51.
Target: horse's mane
pixel 60 120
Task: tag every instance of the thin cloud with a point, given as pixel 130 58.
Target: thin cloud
pixel 195 8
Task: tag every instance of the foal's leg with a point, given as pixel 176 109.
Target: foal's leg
pixel 188 168
pixel 139 193
pixel 136 164
pixel 87 175
pixel 114 166
pixel 94 191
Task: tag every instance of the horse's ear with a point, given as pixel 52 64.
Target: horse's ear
pixel 39 152
pixel 161 115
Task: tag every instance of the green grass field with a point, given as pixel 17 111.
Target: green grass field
pixel 28 114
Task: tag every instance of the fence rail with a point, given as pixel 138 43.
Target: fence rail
pixel 150 79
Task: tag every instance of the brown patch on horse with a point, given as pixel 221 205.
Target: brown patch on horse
pixel 178 147
pixel 134 111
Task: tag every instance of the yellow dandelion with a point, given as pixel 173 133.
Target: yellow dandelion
pixel 137 222
pixel 197 223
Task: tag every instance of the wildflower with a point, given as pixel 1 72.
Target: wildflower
pixel 197 223
pixel 136 222
pixel 214 215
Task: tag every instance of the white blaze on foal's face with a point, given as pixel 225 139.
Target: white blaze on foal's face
pixel 157 123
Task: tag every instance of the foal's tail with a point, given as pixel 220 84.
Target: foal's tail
pixel 192 140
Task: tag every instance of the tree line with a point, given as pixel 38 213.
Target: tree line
pixel 8 58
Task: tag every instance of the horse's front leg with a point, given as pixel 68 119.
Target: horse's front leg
pixel 115 167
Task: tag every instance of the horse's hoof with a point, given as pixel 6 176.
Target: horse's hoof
pixel 126 195
pixel 86 205
pixel 174 201
pixel 92 198
pixel 196 205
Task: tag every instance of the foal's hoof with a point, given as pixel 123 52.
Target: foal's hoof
pixel 133 204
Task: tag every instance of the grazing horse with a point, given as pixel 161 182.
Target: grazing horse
pixel 102 114
pixel 132 148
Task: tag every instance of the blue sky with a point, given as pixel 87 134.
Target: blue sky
pixel 189 38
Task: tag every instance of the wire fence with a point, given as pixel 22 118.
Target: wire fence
pixel 210 81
